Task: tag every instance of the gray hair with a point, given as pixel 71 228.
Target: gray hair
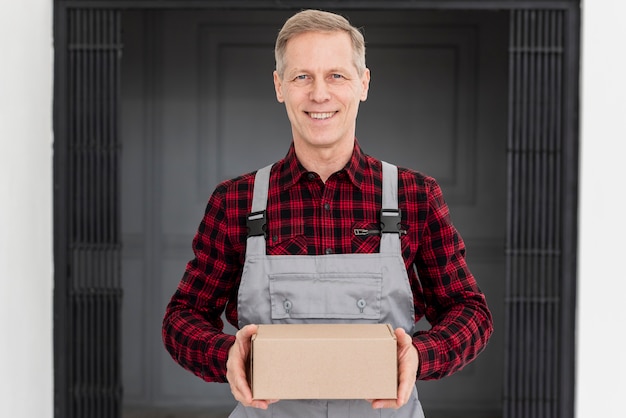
pixel 318 21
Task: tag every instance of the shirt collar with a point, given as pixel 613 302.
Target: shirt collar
pixel 292 170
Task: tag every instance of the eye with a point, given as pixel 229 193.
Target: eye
pixel 336 76
pixel 301 77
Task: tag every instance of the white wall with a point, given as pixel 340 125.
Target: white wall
pixel 601 368
pixel 26 377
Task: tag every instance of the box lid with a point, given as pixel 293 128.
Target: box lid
pixel 325 331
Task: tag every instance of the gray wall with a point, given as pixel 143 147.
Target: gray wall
pixel 199 106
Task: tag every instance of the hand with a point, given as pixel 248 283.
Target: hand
pixel 408 362
pixel 236 370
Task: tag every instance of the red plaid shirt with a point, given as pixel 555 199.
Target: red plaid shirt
pixel 307 216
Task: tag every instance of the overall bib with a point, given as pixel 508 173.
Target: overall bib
pixel 335 288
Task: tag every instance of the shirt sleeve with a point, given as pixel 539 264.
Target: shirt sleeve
pixel 192 327
pixel 455 306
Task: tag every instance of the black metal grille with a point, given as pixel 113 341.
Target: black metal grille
pixel 94 288
pixel 534 248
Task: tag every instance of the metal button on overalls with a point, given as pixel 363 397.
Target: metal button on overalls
pixel 361 304
pixel 287 305
pixel 355 288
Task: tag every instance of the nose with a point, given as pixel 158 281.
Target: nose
pixel 319 91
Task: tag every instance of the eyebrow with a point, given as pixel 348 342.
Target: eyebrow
pixel 333 70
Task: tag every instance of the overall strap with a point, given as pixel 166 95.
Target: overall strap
pixel 255 244
pixel 390 214
pixel 390 186
pixel 261 188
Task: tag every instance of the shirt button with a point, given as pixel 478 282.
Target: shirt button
pixel 329 251
pixel 327 206
pixel 311 176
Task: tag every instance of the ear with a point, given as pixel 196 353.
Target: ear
pixel 365 84
pixel 278 86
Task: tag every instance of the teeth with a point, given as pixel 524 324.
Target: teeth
pixel 321 115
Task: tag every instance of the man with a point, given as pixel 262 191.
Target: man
pixel 326 209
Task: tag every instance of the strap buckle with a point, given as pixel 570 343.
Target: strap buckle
pixel 390 220
pixel 256 224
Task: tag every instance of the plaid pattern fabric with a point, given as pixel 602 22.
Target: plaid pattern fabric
pixel 307 216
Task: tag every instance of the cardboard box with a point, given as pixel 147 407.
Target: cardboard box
pixel 315 361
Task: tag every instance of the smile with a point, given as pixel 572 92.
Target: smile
pixel 325 115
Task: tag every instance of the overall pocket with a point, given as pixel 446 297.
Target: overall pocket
pixel 340 296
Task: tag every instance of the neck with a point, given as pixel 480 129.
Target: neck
pixel 325 161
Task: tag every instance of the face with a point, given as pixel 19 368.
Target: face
pixel 321 89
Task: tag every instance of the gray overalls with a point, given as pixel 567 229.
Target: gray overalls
pixel 336 288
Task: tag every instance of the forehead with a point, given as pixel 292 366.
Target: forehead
pixel 328 48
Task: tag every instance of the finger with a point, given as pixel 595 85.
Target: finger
pixel 404 342
pixel 404 339
pixel 237 360
pixel 243 338
pixel 236 367
pixel 407 372
pixel 238 383
pixel 262 404
pixel 385 403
